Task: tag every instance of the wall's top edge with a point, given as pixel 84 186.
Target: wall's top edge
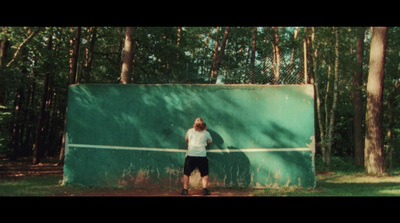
pixel 261 85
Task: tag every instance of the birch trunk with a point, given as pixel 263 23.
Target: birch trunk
pixel 328 150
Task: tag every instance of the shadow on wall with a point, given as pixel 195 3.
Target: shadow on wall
pixel 123 116
pixel 228 169
pixel 159 116
pixel 235 168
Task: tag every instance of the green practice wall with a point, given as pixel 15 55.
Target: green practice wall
pixel 133 135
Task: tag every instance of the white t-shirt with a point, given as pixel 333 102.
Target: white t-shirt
pixel 197 142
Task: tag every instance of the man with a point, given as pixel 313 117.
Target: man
pixel 196 156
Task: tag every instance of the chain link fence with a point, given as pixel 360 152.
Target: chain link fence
pixel 287 69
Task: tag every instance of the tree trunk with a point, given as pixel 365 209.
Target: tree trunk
pixel 357 100
pixel 277 56
pixel 253 55
pixel 72 78
pixel 205 51
pixel 391 102
pixel 4 46
pixel 40 130
pixel 326 108
pixel 63 141
pixel 92 36
pixel 128 56
pixel 222 51
pixel 16 125
pixel 31 109
pixel 214 57
pixel 296 32
pixel 310 55
pixel 317 101
pixel 178 36
pixel 374 160
pixel 328 149
pixel 74 57
pixel 305 61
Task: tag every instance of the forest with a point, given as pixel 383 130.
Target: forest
pixel 355 71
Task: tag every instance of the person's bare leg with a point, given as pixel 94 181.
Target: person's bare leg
pixel 185 181
pixel 205 181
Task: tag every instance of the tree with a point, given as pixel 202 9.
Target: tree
pixel 330 126
pixel 391 97
pixel 73 62
pixel 391 104
pixel 73 65
pixel 357 99
pixel 321 124
pixel 128 56
pixel 374 159
pixel 214 56
pixel 178 36
pixel 43 115
pixel 217 59
pixel 89 55
pixel 4 48
pixel 253 55
pixel 277 55
pixel 4 45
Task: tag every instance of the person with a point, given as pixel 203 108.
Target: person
pixel 196 157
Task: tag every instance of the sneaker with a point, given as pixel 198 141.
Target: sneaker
pixel 205 191
pixel 184 192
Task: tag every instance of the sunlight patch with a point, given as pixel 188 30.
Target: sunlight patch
pixel 392 192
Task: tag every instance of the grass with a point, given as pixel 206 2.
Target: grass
pixel 330 184
pixel 359 184
pixel 30 186
pixel 341 179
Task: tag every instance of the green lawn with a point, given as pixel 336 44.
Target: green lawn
pixel 328 184
pixel 341 179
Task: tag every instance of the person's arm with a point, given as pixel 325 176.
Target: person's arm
pixel 186 137
pixel 209 139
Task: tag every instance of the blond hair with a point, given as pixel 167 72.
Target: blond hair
pixel 199 125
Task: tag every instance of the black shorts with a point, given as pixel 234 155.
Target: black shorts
pixel 191 162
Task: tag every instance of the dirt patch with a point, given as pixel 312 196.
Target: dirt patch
pixel 24 167
pixel 157 192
